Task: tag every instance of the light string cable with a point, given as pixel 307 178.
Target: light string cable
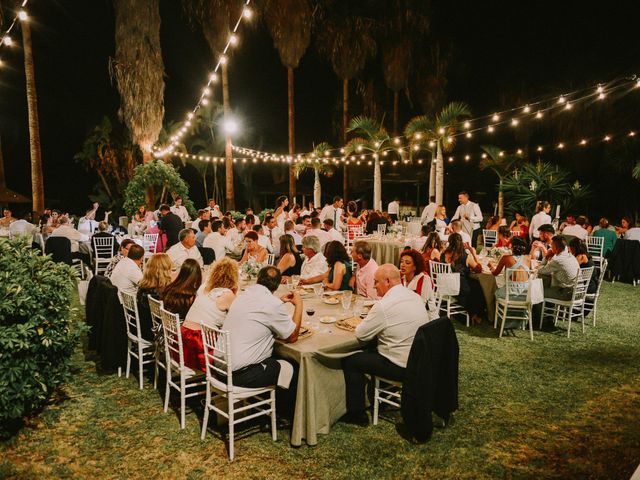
pixel 21 15
pixel 175 139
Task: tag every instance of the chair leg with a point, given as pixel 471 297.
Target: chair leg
pixel 544 304
pixel 274 428
pixel 376 400
pixel 495 316
pixel 128 359
pixel 205 419
pixel 231 401
pixel 167 389
pixel 595 309
pixel 140 366
pixel 569 329
pixel 155 371
pixel 182 402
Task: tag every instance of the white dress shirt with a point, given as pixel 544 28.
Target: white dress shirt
pixel 575 231
pixel 472 210
pixel 181 211
pixel 394 319
pixel 179 253
pixel 335 235
pixel 254 319
pixel 562 268
pixel 22 227
pixel 126 275
pixel 393 208
pixel 537 221
pixel 265 242
pixel 72 234
pixel 334 214
pixel 220 244
pixel 428 213
pixel 322 235
pixel 234 235
pixel 313 267
pixel 297 239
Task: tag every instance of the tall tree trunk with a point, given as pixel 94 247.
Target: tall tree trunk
pixel 37 182
pixel 432 179
pixel 439 174
pixel 228 154
pixel 396 96
pixel 292 141
pixel 3 180
pixel 317 193
pixel 500 200
pixel 345 126
pixel 377 186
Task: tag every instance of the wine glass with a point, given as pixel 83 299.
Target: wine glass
pixel 346 300
pixel 311 312
pixel 295 281
pixel 318 289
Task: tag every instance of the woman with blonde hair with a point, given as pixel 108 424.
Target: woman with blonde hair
pixel 156 276
pixel 210 307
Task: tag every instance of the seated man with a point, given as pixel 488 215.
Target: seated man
pixel 202 215
pixel 185 248
pixel 577 230
pixel 102 232
pixel 363 280
pixel 218 241
pixel 394 321
pixel 607 232
pixel 128 273
pixel 289 229
pixel 255 319
pixel 456 227
pixel 124 251
pixel 204 229
pixel 315 265
pixel 559 270
pixel 22 227
pixel 79 242
pixel 316 231
pixel 333 233
pixel 541 248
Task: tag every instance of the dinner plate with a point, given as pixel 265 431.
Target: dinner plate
pixel 327 319
pixel 331 293
pixel 369 303
pixel 331 301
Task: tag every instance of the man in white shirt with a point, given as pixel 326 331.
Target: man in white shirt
pixel 363 280
pixel 393 320
pixel 202 215
pixel 333 233
pixel 272 231
pixel 127 273
pixel 393 209
pixel 254 320
pixel 470 217
pixel 315 266
pixel 185 248
pixel 429 211
pixel 315 231
pixel 218 241
pixel 456 227
pixel 179 210
pixel 254 218
pixel 235 233
pixel 66 230
pixel 289 229
pixel 577 230
pixel 22 228
pixel 262 239
pixel 334 212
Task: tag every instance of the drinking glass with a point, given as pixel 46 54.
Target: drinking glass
pixel 346 300
pixel 311 312
pixel 295 280
pixel 318 289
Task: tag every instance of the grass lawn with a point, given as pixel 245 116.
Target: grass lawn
pixel 551 408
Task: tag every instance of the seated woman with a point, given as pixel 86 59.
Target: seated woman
pixel 353 219
pixel 339 274
pixel 139 221
pixel 431 250
pixel 413 276
pixel 517 260
pixel 373 220
pixel 625 224
pixel 493 223
pixel 440 219
pixel 210 307
pixel 253 249
pixel 521 224
pixel 579 250
pixel 504 237
pixel 290 259
pixel 156 276
pixel 470 295
pixel 180 294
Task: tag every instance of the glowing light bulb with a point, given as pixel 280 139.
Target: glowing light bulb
pixel 607 138
pixel 519 151
pixel 233 39
pixel 561 145
pixel 416 147
pixel 539 115
pixel 484 155
pixel 449 139
pixel 213 77
pixel 495 117
pixel 568 106
pixel 451 159
pixel 514 122
pixel 8 41
pixel 601 96
pixel 583 142
pixel 501 154
pixel 418 136
pixel 396 141
pixel 206 92
pixel 204 101
pixel 22 15
pixel 441 131
pixel 599 89
pixel 468 135
pixel 223 59
pixel 632 133
pixel 490 129
pixel 247 12
pixel 561 99
pixel 467 157
pixel 467 124
pixel 526 109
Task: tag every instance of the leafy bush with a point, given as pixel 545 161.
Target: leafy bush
pixel 38 333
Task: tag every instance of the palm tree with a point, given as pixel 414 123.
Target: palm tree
pixel 420 132
pixel 502 165
pixel 345 38
pixel 37 182
pixel 320 166
pixel 289 22
pixel 374 140
pixel 139 71
pixel 445 126
pixel 215 18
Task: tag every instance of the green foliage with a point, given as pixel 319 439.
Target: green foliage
pixel 542 181
pixel 161 177
pixel 38 333
pixel 319 164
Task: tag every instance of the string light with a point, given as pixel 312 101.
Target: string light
pixel 495 117
pixel 514 122
pixel 526 109
pixel 22 15
pixel 561 99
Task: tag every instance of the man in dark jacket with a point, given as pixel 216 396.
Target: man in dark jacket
pixel 170 224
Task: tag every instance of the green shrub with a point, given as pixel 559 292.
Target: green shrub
pixel 38 331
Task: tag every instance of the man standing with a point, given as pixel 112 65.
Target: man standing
pixel 429 211
pixel 272 232
pixel 127 273
pixel 393 321
pixel 253 323
pixel 170 224
pixel 470 216
pixel 393 209
pixel 334 212
pixel 185 248
pixel 363 281
pixel 180 210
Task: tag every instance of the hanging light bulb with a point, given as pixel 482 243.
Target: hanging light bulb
pixel 539 115
pixel 8 41
pixel 467 157
pixel 561 99
pixel 526 109
pixel 561 145
pixel 213 77
pixel 514 122
pixel 468 135
pixel 467 124
pixel 247 13
pixel 495 117
pixel 223 59
pixel 22 15
pixel 568 106
pixel 607 138
pixel 583 142
pixel 441 131
pixel 233 39
pixel 490 129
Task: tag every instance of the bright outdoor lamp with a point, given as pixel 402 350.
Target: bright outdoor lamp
pixel 230 126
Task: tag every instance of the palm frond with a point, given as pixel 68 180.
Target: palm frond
pixel 636 171
pixel 289 23
pixel 450 115
pixel 316 161
pixel 357 145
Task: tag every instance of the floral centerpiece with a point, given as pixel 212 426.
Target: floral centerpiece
pixel 497 252
pixel 250 268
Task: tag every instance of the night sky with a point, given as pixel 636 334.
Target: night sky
pixel 503 52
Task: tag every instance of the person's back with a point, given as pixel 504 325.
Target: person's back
pixel 170 224
pixel 610 239
pixel 632 234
